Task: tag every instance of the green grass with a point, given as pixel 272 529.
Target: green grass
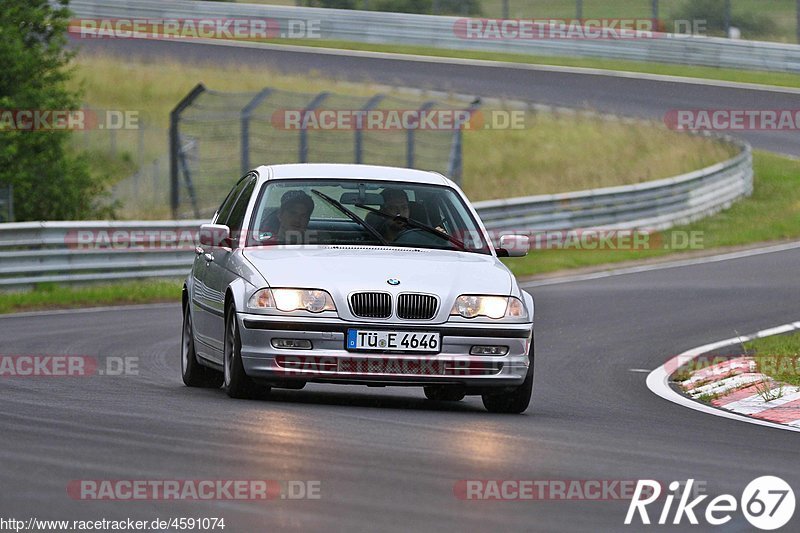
pixel 772 213
pixel 51 296
pixel 778 357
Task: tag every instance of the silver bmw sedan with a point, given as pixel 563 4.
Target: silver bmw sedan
pixel 356 274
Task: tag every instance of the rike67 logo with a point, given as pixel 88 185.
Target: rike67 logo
pixel 767 503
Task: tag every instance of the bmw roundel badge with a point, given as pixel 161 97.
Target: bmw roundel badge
pixel 393 281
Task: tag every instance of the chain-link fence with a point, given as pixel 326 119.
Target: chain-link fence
pixel 216 137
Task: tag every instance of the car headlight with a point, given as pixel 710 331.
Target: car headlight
pixel 496 307
pixel 311 300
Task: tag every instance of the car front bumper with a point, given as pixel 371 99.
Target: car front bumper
pixel 329 361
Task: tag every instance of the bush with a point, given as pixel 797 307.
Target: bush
pixel 332 4
pixel 50 181
pixel 444 7
pixel 713 12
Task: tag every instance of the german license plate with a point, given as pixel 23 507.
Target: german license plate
pixel 407 341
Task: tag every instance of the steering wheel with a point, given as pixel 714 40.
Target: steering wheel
pixel 416 237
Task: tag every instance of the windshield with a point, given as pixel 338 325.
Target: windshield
pixel 366 213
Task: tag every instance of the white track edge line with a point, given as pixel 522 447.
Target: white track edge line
pixel 658 380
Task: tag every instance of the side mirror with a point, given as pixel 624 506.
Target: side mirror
pixel 514 246
pixel 215 235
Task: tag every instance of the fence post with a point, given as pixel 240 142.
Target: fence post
pixel 174 145
pixel 303 133
pixel 247 112
pixel 455 166
pixel 7 203
pixel 506 14
pixel 655 14
pixel 727 18
pixel 371 103
pixel 579 9
pixel 410 134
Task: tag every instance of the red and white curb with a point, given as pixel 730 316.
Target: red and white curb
pixel 741 392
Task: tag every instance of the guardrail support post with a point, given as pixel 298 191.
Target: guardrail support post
pixel 303 133
pixel 371 103
pixel 174 145
pixel 247 112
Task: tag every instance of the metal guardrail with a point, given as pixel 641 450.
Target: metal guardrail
pixel 67 252
pixel 440 32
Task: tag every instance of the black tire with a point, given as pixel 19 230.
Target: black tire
pixel 444 393
pixel 194 374
pixel 235 381
pixel 515 401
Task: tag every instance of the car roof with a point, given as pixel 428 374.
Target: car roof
pixel 361 172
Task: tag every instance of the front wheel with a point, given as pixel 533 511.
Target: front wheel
pixel 517 399
pixel 235 381
pixel 194 374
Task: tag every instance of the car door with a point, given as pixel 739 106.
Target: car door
pixel 219 274
pixel 202 299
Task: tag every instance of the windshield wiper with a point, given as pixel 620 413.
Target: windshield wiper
pixel 352 216
pixel 418 225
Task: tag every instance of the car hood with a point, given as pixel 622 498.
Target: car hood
pixel 342 270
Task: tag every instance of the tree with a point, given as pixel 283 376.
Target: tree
pixel 50 180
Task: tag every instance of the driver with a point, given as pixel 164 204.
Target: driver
pixel 291 219
pixel 395 202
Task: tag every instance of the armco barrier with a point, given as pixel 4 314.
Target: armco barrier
pixel 440 32
pixel 35 252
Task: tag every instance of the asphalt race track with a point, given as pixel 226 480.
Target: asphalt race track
pixel 387 459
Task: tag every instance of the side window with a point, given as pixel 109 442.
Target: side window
pixel 239 211
pixel 225 209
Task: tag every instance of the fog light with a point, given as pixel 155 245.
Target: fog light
pixel 292 344
pixel 489 350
